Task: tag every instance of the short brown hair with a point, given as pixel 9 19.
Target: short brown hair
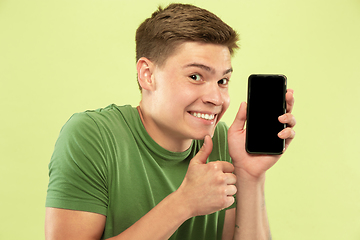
pixel 158 36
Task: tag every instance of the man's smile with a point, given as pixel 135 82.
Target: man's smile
pixel 206 116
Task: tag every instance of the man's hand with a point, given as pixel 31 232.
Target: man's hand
pixel 207 187
pixel 257 165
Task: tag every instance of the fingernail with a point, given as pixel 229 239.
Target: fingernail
pixel 280 134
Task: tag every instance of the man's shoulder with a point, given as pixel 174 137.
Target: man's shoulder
pixel 111 115
pixel 108 117
pixel 111 110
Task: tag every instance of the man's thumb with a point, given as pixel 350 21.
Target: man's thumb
pixel 204 152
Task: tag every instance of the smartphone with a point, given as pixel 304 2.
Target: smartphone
pixel 266 102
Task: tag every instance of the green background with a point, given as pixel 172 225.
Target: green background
pixel 61 57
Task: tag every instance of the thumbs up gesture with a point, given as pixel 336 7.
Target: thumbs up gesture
pixel 208 187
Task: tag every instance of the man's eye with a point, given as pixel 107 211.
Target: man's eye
pixel 195 77
pixel 223 81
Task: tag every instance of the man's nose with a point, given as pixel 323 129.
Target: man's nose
pixel 213 95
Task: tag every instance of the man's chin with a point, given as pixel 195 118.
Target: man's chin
pixel 203 135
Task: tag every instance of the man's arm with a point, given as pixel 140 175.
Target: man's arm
pixel 229 224
pixel 251 216
pixel 71 224
pixel 159 223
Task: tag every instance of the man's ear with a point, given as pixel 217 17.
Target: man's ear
pixel 145 69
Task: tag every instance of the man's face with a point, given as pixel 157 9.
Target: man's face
pixel 191 91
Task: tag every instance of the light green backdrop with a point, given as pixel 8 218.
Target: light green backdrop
pixel 61 57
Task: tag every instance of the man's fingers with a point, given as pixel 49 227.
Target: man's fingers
pixel 287 133
pixel 223 166
pixel 230 190
pixel 289 100
pixel 204 152
pixel 229 201
pixel 230 178
pixel 288 119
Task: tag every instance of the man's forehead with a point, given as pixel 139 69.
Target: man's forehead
pixel 207 56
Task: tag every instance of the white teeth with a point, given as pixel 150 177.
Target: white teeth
pixel 204 116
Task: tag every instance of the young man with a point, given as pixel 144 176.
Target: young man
pixel 168 169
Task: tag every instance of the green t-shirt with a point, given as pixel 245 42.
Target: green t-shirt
pixel 105 162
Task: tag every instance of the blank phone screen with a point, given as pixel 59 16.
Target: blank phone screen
pixel 266 102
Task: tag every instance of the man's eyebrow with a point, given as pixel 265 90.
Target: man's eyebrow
pixel 207 68
pixel 199 65
pixel 230 70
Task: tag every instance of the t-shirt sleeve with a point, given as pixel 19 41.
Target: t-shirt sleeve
pixel 77 169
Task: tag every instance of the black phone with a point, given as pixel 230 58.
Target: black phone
pixel 266 102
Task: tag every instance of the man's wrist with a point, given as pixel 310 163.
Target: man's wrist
pixel 180 204
pixel 245 177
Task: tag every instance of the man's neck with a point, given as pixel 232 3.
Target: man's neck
pixel 172 143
